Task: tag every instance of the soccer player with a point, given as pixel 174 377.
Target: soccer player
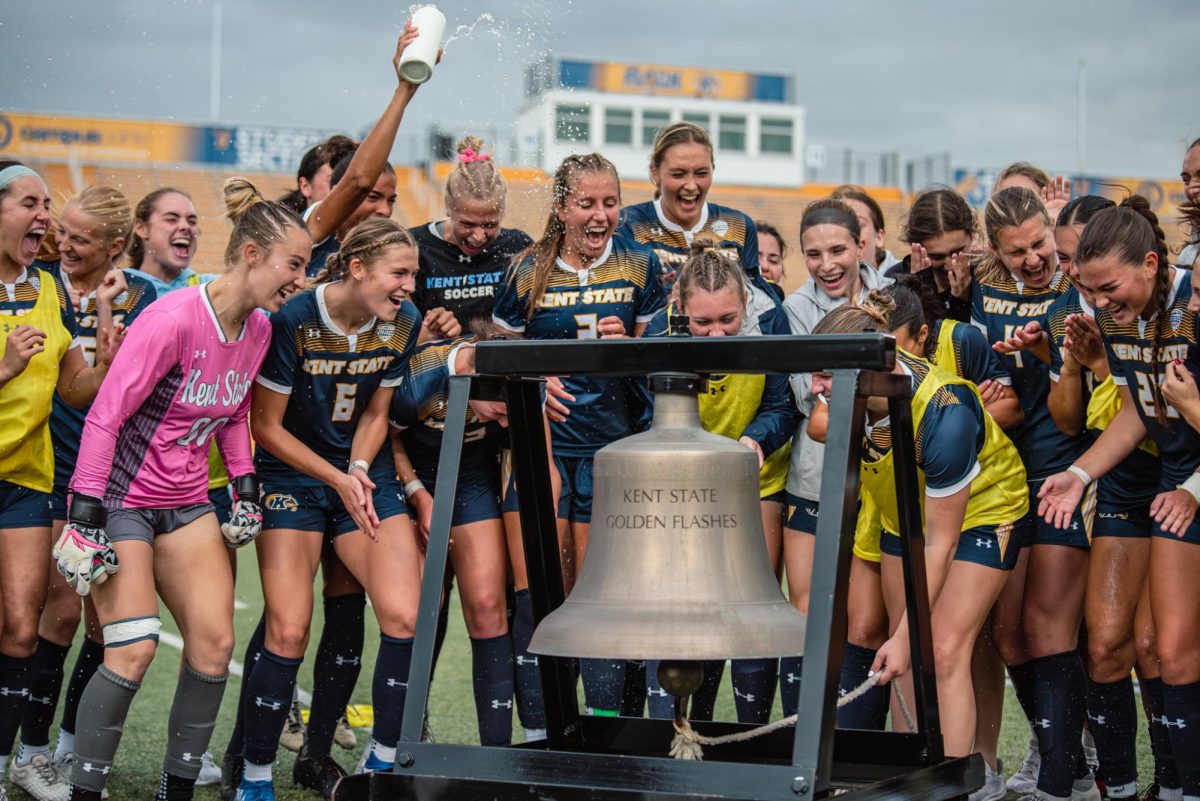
pixel 315 171
pixel 138 499
pixel 579 281
pixel 91 235
pixel 320 421
pixel 870 217
pixel 941 230
pixel 772 248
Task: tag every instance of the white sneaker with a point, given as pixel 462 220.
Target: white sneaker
pixel 210 771
pixel 1025 779
pixel 993 788
pixel 63 763
pixel 343 735
pixel 292 737
pixel 40 779
pixel 1085 789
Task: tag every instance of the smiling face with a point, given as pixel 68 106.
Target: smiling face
pixel 387 282
pixel 378 203
pixel 473 223
pixel 278 273
pixel 770 257
pixel 81 245
pixel 1124 290
pixel 872 237
pixel 24 220
pixel 716 313
pixel 941 247
pixel 684 177
pixel 831 255
pixel 1027 250
pixel 589 216
pixel 170 233
pixel 1190 174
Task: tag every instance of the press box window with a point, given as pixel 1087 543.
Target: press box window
pixel 732 133
pixel 703 120
pixel 775 135
pixel 652 123
pixel 618 126
pixel 572 123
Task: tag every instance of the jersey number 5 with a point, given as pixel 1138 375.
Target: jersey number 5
pixel 343 405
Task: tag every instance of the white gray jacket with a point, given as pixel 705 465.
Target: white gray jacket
pixel 805 307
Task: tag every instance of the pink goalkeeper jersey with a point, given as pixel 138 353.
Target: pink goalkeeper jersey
pixel 174 385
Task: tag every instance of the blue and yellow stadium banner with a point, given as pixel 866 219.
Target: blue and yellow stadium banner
pixel 667 81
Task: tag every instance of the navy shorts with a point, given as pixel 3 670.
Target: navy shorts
pixel 508 498
pixel 21 507
pixel 1077 535
pixel 320 509
pixel 146 524
pixel 776 497
pixel 802 514
pixel 222 501
pixel 1190 535
pixel 576 472
pixel 478 497
pixel 1121 520
pixel 991 546
pixel 58 503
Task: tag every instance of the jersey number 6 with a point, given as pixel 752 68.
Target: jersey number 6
pixel 343 405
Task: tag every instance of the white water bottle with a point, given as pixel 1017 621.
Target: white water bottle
pixel 416 65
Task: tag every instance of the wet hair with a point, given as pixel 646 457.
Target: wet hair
pixel 709 269
pixel 545 250
pixel 328 152
pixel 1127 233
pixel 855 192
pixel 830 211
pixel 136 248
pixel 255 219
pixel 108 209
pixel 1008 208
pixel 873 314
pixel 474 177
pixel 1027 170
pixel 765 227
pixel 678 133
pixel 1080 210
pixel 916 304
pixel 936 211
pixel 365 242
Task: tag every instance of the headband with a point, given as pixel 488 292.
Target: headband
pixel 468 155
pixel 13 172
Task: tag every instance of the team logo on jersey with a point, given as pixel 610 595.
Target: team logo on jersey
pixel 1176 319
pixel 720 227
pixel 385 331
pixel 279 502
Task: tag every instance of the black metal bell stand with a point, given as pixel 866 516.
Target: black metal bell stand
pixel 623 759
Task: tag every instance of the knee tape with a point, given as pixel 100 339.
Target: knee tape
pixel 131 630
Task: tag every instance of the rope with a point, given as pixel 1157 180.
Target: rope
pixel 689 743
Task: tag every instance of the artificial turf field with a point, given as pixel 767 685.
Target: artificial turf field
pixel 452 712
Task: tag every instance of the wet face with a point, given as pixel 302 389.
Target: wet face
pixel 1124 289
pixel 1027 250
pixel 1190 174
pixel 872 237
pixel 280 272
pixel 81 245
pixel 170 233
pixel 715 314
pixel 770 257
pixel 24 220
pixel 831 255
pixel 378 202
pixel 316 189
pixel 388 281
pixel 589 215
pixel 941 247
pixel 684 177
pixel 473 223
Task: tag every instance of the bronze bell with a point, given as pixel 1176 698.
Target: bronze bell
pixel 676 565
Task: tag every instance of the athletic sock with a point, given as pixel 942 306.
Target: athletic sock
pixel 91 656
pixel 268 700
pixel 704 700
pixel 754 688
pixel 528 682
pixel 190 723
pixel 1061 708
pixel 660 702
pixel 1024 683
pixel 103 708
pixel 335 671
pixel 633 697
pixel 254 648
pixel 1112 720
pixel 44 687
pixel 16 673
pixel 1181 703
pixel 869 710
pixel 174 788
pixel 64 746
pixel 1166 772
pixel 492 681
pixel 390 688
pixel 80 794
pixel 790 670
pixel 254 772
pixel 26 753
pixel 603 685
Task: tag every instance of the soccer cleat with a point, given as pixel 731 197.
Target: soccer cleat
pixel 993 785
pixel 256 791
pixel 373 764
pixel 64 761
pixel 1085 789
pixel 40 779
pixel 209 772
pixel 343 735
pixel 292 737
pixel 1025 779
pixel 232 765
pixel 321 774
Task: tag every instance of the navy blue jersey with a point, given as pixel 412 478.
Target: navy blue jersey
pixel 66 422
pixel 320 252
pixel 1067 304
pixel 968 349
pixel 1131 358
pixel 419 410
pixel 465 285
pixel 998 308
pixel 623 282
pixel 329 378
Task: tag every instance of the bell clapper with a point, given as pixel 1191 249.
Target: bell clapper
pixel 680 678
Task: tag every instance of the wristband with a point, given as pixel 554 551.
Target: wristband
pixel 245 488
pixel 413 487
pixel 1080 474
pixel 363 463
pixel 1192 485
pixel 88 510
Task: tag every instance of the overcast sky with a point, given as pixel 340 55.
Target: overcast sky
pixel 987 82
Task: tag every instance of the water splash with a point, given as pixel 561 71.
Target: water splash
pixel 463 31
